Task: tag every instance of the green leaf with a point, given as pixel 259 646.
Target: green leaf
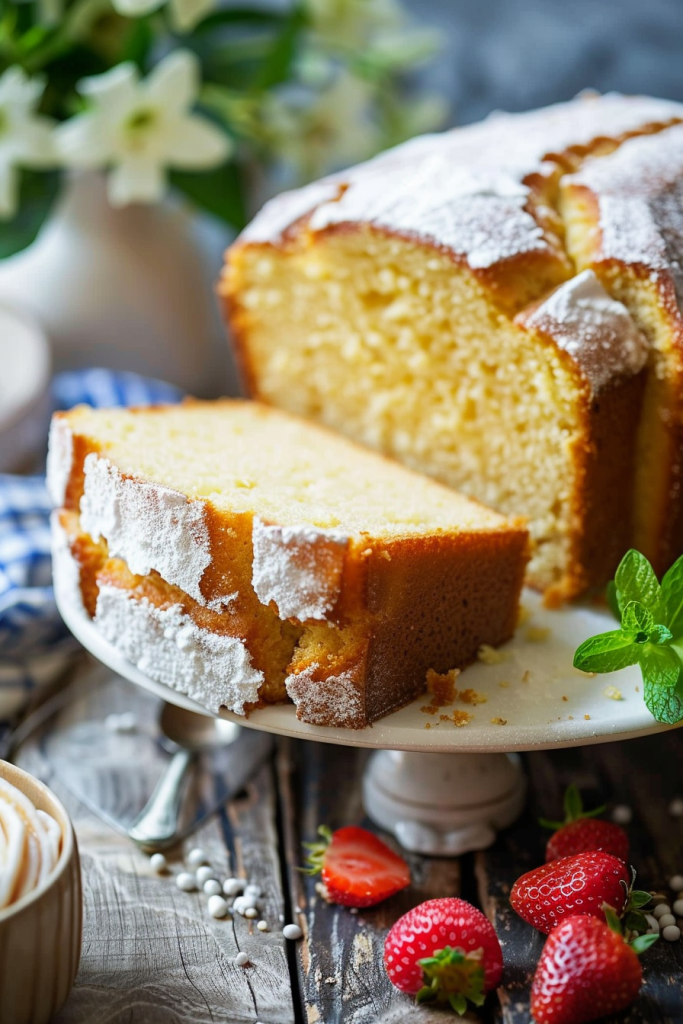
pixel 237 15
pixel 138 42
pixel 672 597
pixel 665 704
pixel 613 922
pixel 636 616
pixel 607 652
pixel 573 804
pixel 37 193
pixel 661 666
pixel 639 898
pixel 660 635
pixel 219 192
pixel 613 600
pixel 643 942
pixel 458 1003
pixel 635 580
pixel 277 65
pixel 635 923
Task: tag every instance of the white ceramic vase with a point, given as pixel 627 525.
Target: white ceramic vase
pixel 127 288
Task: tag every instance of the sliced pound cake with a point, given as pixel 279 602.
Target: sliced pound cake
pixel 426 303
pixel 242 555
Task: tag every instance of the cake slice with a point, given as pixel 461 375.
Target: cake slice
pixel 245 556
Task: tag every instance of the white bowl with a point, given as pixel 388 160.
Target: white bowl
pixel 25 366
pixel 40 934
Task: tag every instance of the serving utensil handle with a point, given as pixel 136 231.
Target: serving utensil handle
pixel 157 823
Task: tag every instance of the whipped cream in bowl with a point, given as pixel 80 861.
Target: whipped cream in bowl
pixel 40 899
pixel 30 844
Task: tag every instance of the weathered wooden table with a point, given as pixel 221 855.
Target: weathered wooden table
pixel 152 954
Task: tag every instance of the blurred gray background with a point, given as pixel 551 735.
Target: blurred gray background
pixel 517 54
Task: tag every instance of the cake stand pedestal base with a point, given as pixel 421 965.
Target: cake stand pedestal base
pixel 443 804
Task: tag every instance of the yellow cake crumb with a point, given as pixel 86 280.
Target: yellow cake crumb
pixel 441 685
pixel 491 655
pixel 536 634
pixel 526 677
pixel 523 615
pixel 565 698
pixel 499 721
pixel 472 697
pixel 589 675
pixel 429 709
pixel 458 718
pixel 587 717
pixel 504 684
pixel 613 693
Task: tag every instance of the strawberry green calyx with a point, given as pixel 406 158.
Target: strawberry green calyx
pixel 636 940
pixel 573 809
pixel 317 851
pixel 454 978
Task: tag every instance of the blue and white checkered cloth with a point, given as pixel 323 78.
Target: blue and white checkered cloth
pixel 34 642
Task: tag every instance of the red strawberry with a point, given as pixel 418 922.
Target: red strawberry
pixel 571 885
pixel 446 951
pixel 586 970
pixel 358 869
pixel 580 831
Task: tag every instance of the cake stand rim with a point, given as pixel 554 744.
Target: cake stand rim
pixel 380 736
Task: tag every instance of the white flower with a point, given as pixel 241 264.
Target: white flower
pixel 184 13
pixel 141 128
pixel 350 22
pixel 26 138
pixel 335 130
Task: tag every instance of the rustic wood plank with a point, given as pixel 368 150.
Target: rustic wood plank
pixel 340 960
pixel 641 773
pixel 151 953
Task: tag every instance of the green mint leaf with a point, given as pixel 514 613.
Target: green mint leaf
pixel 660 666
pixel 672 597
pixel 665 703
pixel 613 922
pixel 636 616
pixel 660 635
pixel 635 923
pixel 613 600
pixel 635 580
pixel 638 898
pixel 608 652
pixel 643 942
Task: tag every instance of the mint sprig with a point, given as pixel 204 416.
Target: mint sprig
pixel 651 634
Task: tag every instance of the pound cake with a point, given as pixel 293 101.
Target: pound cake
pixel 245 556
pixel 494 306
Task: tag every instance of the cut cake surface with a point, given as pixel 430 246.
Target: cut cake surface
pixel 243 555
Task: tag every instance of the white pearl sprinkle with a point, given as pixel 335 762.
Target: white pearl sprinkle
pixel 671 933
pixel 218 907
pixel 676 883
pixel 233 886
pixel 196 857
pixel 622 815
pixel 127 721
pixel 212 887
pixel 666 919
pixel 653 924
pixel 158 863
pixel 661 909
pixel 253 890
pixel 676 807
pixel 186 881
pixel 292 931
pixel 262 926
pixel 204 874
pixel 298 910
pixel 251 913
pixel 678 908
pixel 241 959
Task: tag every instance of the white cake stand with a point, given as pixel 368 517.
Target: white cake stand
pixel 445 789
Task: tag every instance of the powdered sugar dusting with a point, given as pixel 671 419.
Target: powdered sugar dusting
pixel 299 568
pixel 60 456
pixel 148 525
pixel 333 701
pixel 466 189
pixel 169 647
pixel 593 328
pixel 639 190
pixel 66 573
